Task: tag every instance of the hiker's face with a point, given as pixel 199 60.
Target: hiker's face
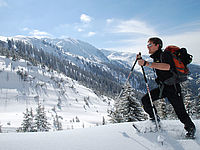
pixel 152 47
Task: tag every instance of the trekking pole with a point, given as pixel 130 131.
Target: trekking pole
pixel 127 78
pixel 160 138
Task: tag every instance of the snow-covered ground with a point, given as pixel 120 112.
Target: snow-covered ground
pixel 51 89
pixel 108 137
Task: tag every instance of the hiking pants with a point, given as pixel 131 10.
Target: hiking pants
pixel 173 94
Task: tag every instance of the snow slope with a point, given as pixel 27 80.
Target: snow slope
pixel 50 88
pixel 108 137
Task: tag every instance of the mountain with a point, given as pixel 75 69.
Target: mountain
pixel 52 70
pixel 126 59
pixel 108 137
pixel 105 70
pixel 67 46
pixel 106 75
pixel 79 48
pixel 41 70
pixel 24 85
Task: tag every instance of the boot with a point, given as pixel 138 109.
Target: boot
pixel 190 131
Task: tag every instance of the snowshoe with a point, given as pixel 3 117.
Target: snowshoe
pixel 146 126
pixel 154 121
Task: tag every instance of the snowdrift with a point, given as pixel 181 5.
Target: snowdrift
pixel 108 137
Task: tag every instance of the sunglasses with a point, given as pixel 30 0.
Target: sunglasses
pixel 150 45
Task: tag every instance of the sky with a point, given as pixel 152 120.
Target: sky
pixel 121 25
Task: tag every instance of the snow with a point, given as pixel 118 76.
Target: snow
pixel 47 88
pixel 107 137
pixel 127 58
pixel 69 45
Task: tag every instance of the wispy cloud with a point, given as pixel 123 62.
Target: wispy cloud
pixel 3 3
pixel 191 26
pixel 25 29
pixel 38 33
pixel 108 21
pixel 131 35
pixel 91 34
pixel 85 18
pixel 189 40
pixel 80 30
pixel 134 26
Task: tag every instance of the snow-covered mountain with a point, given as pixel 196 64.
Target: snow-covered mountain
pixel 67 46
pixel 83 75
pixel 126 59
pixel 109 137
pixel 24 85
pixel 79 48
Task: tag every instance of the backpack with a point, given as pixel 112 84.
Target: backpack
pixel 181 59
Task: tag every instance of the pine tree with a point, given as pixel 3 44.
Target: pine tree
pixel 28 124
pixel 170 112
pixel 189 98
pixel 161 107
pixel 189 103
pixel 41 119
pixel 56 120
pixel 197 109
pixel 127 108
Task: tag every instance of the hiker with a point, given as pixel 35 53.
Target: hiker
pixel 164 67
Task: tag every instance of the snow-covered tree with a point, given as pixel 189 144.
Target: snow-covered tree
pixel 28 122
pixel 41 122
pixel 189 99
pixel 57 120
pixel 197 109
pixel 127 108
pixel 161 107
pixel 170 111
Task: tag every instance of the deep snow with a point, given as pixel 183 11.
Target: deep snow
pixel 108 137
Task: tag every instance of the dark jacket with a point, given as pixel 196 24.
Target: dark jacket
pixel 165 57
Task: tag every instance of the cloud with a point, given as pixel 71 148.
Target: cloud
pixel 25 29
pixel 85 18
pixel 134 45
pixel 80 30
pixel 108 21
pixel 189 40
pixel 133 26
pixel 3 3
pixel 91 34
pixel 38 33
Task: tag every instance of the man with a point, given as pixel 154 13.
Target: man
pixel 164 66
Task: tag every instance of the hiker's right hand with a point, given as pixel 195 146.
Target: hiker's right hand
pixel 141 62
pixel 138 56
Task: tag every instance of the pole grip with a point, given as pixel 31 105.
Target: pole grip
pixel 140 57
pixel 143 68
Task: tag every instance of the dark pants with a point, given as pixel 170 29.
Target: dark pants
pixel 173 94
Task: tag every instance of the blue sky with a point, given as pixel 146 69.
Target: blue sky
pixel 123 25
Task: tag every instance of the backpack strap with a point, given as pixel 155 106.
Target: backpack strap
pixel 172 80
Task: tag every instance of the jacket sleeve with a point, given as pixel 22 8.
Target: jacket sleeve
pixel 167 58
